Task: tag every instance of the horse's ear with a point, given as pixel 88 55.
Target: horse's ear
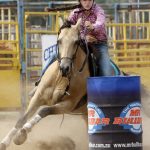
pixel 60 21
pixel 78 24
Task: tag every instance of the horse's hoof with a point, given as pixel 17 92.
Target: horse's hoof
pixel 20 137
pixel 2 146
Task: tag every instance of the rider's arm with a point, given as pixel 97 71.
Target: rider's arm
pixel 100 22
pixel 73 17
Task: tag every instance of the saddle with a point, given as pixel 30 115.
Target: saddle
pixel 93 68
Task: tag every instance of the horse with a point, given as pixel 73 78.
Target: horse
pixel 61 87
pixel 51 91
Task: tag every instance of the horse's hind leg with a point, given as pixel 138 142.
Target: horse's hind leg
pixel 62 107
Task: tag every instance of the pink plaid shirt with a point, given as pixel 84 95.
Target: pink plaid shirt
pixel 96 17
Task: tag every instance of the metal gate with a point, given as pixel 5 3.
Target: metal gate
pixel 9 58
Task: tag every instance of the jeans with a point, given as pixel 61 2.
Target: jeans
pixel 100 52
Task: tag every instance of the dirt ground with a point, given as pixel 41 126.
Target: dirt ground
pixel 48 135
pixel 72 135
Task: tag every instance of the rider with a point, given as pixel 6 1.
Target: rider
pixel 93 29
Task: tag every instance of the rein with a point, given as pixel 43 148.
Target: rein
pixel 87 55
pixel 71 59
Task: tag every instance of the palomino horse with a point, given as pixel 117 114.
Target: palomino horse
pixel 51 91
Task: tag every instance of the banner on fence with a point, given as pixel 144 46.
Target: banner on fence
pixel 49 49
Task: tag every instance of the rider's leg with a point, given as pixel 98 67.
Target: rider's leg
pixel 102 59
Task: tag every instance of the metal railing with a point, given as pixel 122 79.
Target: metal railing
pixel 130 44
pixel 9 56
pixel 33 35
pixel 9 40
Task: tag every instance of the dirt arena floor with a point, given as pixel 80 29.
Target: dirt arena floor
pixel 72 135
pixel 48 135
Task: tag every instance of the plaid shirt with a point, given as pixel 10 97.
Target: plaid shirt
pixel 96 17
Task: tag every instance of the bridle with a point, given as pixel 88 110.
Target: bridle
pixel 59 59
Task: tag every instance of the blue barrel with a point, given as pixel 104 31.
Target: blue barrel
pixel 114 113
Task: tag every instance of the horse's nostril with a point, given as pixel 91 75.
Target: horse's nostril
pixel 67 68
pixel 64 70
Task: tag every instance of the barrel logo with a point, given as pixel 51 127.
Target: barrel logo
pixel 130 118
pixel 96 118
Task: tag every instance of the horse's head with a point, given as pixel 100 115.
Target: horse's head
pixel 68 44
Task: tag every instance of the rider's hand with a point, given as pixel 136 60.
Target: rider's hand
pixel 89 25
pixel 90 39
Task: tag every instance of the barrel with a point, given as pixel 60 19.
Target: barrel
pixel 114 113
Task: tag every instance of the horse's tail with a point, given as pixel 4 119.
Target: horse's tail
pixel 115 68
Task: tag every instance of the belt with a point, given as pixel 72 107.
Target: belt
pixel 99 42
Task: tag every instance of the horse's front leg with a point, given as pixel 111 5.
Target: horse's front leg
pixel 62 107
pixel 8 138
pixel 33 106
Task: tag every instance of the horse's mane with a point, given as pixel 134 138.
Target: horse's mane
pixel 66 24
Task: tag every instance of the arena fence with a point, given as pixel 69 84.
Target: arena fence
pixel 9 58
